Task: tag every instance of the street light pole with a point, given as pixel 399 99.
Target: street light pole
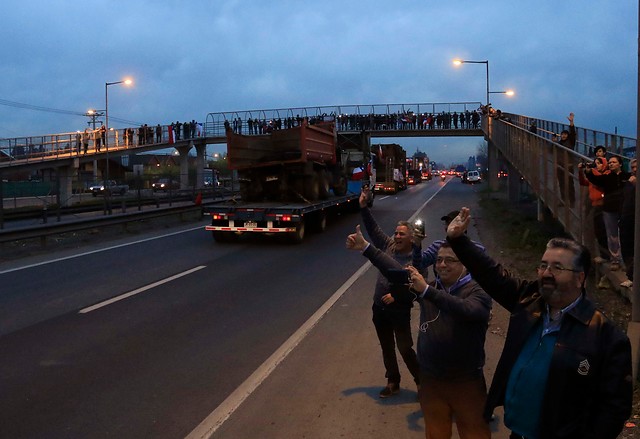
pixel 107 190
pixel 485 62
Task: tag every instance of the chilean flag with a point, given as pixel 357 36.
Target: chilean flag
pixel 172 137
pixel 358 174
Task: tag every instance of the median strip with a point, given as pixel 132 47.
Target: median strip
pixel 139 290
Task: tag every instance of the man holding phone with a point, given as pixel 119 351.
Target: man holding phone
pixel 454 317
pixel 391 318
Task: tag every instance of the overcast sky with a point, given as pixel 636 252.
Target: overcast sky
pixel 189 58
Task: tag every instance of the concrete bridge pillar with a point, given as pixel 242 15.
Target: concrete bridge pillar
pixel 184 164
pixel 200 163
pixel 513 183
pixel 492 159
pixel 64 183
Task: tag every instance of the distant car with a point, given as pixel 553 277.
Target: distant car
pixel 108 187
pixel 472 177
pixel 503 174
pixel 165 184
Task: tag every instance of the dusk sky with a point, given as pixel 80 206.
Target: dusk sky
pixel 191 58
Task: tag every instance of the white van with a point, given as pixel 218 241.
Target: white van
pixel 473 177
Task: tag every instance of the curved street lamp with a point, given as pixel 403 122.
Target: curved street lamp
pixel 106 137
pixel 458 62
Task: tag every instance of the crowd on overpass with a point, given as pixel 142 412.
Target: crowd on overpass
pixel 408 120
pixel 94 140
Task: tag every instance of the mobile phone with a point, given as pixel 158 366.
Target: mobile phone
pixel 398 276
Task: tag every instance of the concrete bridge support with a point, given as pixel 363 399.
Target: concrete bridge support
pixel 200 164
pixel 184 164
pixel 492 159
pixel 64 183
pixel 513 183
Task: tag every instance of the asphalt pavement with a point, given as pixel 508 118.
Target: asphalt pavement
pixel 325 381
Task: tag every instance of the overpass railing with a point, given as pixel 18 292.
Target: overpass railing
pixel 551 171
pixel 586 139
pixel 34 149
pixel 348 117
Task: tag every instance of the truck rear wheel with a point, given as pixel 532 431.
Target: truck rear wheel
pixel 319 221
pixel 297 236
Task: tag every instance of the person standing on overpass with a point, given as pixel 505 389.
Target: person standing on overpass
pixel 564 169
pixel 565 370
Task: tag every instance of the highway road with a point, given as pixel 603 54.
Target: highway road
pixel 145 337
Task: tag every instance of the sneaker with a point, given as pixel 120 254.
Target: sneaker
pixel 389 390
pixel 604 283
pixel 626 284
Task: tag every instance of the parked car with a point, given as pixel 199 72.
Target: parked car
pixel 165 184
pixel 108 187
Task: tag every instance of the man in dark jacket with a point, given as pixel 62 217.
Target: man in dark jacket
pixel 565 370
pixel 392 320
pixel 454 316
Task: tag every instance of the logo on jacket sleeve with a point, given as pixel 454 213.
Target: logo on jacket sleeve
pixel 583 368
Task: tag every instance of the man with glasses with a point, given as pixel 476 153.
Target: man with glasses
pixel 565 370
pixel 454 317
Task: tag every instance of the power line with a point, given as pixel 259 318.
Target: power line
pixel 59 111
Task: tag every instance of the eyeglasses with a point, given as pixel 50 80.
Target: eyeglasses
pixel 447 259
pixel 554 268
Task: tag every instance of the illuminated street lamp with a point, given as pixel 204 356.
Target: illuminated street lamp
pixel 505 92
pixel 94 114
pixel 457 62
pixel 106 137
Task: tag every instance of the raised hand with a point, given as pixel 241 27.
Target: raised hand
pixel 356 241
pixel 459 225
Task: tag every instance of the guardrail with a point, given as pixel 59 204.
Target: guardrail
pixel 44 231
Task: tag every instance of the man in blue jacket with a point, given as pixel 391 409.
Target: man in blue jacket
pixel 565 370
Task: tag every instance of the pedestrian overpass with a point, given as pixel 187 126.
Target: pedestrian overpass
pixel 530 158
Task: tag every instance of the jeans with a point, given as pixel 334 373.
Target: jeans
pixel 613 237
pixel 394 327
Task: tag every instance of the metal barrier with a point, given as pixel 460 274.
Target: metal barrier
pixel 34 149
pixel 215 122
pixel 551 171
pixel 586 139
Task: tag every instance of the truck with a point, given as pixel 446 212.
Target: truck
pixel 290 181
pixel 391 168
pixel 298 163
pixel 110 187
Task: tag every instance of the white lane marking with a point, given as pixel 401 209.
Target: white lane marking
pixel 425 203
pixel 79 255
pixel 139 290
pixel 216 418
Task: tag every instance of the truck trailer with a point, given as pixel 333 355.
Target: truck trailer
pixel 291 180
pixel 391 168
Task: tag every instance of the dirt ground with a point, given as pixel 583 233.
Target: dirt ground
pixel 515 238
